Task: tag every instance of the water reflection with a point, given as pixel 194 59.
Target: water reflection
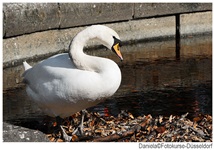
pixel 177 101
pixel 153 82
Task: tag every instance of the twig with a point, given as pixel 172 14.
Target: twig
pixel 114 137
pixel 66 137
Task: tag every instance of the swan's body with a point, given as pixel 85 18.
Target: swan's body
pixel 67 83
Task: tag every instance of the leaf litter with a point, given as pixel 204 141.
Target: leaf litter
pixel 127 128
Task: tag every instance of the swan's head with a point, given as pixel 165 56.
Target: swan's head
pixel 108 37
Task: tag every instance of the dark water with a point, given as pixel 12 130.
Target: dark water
pixel 153 82
pixel 176 100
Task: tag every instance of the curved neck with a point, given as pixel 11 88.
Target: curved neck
pixel 80 59
pixel 106 69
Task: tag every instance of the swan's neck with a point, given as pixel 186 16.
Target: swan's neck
pixel 109 75
pixel 80 59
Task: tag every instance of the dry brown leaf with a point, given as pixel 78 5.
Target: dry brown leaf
pixel 52 139
pixel 131 116
pixel 160 119
pixel 60 140
pixel 54 124
pixel 170 118
pixel 160 129
pixel 74 138
pixel 176 128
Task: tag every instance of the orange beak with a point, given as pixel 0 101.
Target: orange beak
pixel 116 48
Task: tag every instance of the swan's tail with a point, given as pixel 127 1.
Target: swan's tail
pixel 26 65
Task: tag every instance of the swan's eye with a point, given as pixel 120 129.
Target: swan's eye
pixel 117 41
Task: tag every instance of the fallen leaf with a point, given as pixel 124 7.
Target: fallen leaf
pixel 160 129
pixel 54 124
pixel 160 119
pixel 52 139
pixel 74 138
pixel 60 140
pixel 196 119
pixel 131 116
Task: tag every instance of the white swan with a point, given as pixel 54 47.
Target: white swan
pixel 67 83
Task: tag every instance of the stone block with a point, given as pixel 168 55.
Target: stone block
pixel 145 29
pixel 22 18
pixel 143 10
pixel 13 133
pixel 78 14
pixel 196 23
pixel 195 46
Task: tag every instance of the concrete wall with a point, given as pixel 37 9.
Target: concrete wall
pixel 36 29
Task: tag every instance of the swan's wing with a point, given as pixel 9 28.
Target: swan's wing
pixel 57 77
pixel 59 88
pixel 47 70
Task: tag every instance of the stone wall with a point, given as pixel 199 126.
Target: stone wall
pixel 37 29
pixel 22 18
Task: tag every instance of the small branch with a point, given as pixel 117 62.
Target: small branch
pixel 114 137
pixel 66 137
